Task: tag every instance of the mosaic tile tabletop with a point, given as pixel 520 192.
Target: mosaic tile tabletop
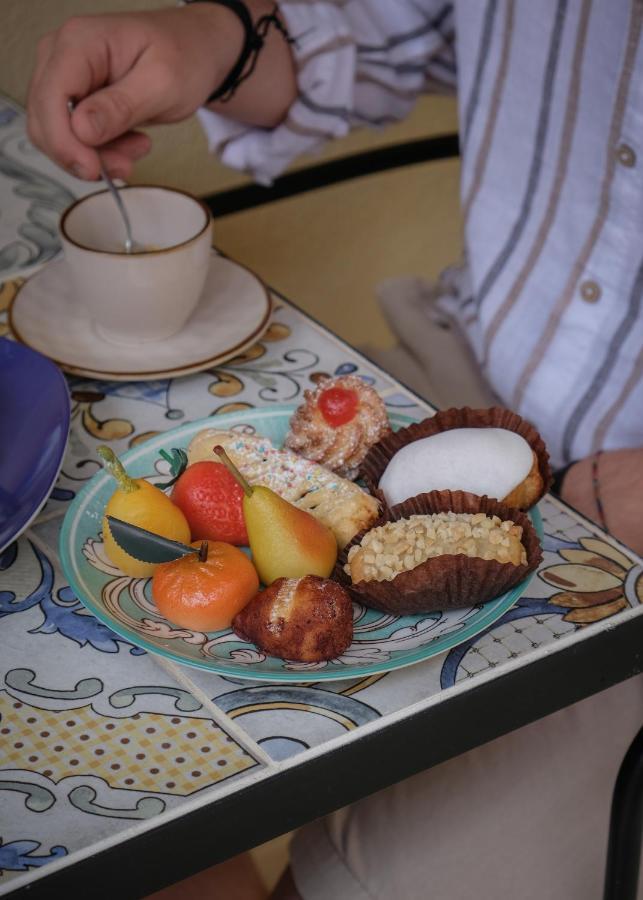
pixel 33 193
pixel 100 740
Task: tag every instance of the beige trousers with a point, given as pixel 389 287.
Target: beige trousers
pixel 524 817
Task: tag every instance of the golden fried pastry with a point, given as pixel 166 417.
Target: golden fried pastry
pixel 439 551
pixel 338 423
pixel 528 490
pixel 340 504
pixel 396 547
pixel 306 619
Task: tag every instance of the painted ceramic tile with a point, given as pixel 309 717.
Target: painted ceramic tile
pixel 46 531
pixel 33 193
pixel 285 719
pixel 87 745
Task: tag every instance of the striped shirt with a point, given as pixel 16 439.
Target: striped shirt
pixel 551 130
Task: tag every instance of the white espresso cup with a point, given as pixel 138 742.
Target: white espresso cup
pixel 147 295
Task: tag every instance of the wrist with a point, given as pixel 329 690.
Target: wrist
pixel 261 82
pixel 221 35
pixel 576 487
pixel 582 488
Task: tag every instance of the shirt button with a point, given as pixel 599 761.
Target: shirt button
pixel 590 291
pixel 626 156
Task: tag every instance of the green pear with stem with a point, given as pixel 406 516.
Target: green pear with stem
pixel 286 542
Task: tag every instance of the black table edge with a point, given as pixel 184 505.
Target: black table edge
pixel 180 847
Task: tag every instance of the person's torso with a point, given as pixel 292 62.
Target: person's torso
pixel 551 120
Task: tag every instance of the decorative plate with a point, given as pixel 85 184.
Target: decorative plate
pixel 381 642
pixel 34 423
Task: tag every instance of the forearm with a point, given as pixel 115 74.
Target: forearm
pixel 609 486
pixel 131 69
pixel 350 70
pixel 264 98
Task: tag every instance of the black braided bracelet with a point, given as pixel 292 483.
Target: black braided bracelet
pixel 254 38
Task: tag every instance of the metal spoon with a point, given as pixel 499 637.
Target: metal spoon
pixel 130 244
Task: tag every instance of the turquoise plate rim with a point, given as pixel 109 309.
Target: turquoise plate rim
pixel 493 610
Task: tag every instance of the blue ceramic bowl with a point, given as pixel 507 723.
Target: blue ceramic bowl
pixel 34 425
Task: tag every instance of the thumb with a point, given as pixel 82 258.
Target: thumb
pixel 114 110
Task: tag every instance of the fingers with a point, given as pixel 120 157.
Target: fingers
pixel 122 71
pixel 138 97
pixel 67 67
pixel 119 155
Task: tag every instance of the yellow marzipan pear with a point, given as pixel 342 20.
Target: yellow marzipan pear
pixel 286 542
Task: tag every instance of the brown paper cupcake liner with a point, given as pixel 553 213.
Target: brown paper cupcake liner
pixel 445 582
pixel 384 450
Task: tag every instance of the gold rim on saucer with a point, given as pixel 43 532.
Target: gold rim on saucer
pixel 187 368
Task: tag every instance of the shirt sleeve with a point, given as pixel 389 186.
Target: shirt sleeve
pixel 358 62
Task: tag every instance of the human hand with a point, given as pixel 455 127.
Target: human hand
pixel 620 489
pixel 121 72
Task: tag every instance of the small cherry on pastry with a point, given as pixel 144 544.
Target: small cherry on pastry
pixel 338 423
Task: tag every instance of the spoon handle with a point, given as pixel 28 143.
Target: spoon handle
pixel 129 244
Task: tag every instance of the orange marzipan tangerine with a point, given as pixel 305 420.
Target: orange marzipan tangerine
pixel 205 596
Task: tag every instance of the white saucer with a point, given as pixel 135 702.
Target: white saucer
pixel 233 313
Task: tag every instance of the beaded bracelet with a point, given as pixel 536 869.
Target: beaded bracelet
pixel 254 39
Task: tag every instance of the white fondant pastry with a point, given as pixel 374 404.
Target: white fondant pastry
pixel 490 461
